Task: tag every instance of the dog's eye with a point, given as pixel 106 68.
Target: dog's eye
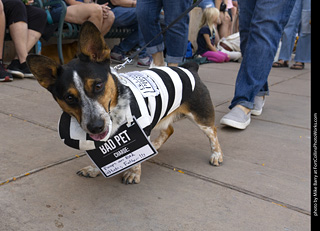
pixel 98 87
pixel 70 99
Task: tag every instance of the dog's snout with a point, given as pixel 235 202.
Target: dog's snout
pixel 96 126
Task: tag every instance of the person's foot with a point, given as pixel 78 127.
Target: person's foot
pixel 144 62
pixel 5 76
pixel 158 60
pixel 297 66
pixel 280 63
pixel 117 57
pixel 20 70
pixel 152 65
pixel 239 117
pixel 259 102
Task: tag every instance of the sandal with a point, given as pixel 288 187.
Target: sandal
pixel 280 64
pixel 297 66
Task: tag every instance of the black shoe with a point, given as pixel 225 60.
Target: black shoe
pixel 20 70
pixel 26 71
pixel 4 75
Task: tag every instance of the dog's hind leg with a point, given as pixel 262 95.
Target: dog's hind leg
pixel 216 153
pixel 210 130
pixel 163 136
pixel 204 117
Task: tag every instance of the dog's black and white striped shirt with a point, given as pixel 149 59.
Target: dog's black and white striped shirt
pixel 157 93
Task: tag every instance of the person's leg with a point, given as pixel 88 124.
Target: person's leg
pixel 80 13
pixel 215 56
pixel 37 20
pixel 25 36
pixel 107 22
pixel 289 32
pixel 19 35
pixel 303 50
pixel 126 17
pixel 225 56
pixel 148 12
pixel 261 25
pixel 225 26
pixel 4 75
pixel 2 29
pixel 233 55
pixel 176 36
pixel 16 17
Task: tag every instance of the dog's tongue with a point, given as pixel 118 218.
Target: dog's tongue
pixel 98 137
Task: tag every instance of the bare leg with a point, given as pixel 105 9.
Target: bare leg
pixel 78 14
pixel 158 59
pixel 225 27
pixel 2 28
pixel 19 34
pixel 33 37
pixel 173 64
pixel 107 23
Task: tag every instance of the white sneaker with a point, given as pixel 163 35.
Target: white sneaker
pixel 259 102
pixel 236 118
pixel 144 62
pixel 152 65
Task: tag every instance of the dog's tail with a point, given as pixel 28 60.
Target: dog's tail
pixel 191 66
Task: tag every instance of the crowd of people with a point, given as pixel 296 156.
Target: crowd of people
pixel 27 23
pixel 222 36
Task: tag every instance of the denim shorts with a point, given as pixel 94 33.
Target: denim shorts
pixel 55 12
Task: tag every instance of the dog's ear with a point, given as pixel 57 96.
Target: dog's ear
pixel 92 44
pixel 43 68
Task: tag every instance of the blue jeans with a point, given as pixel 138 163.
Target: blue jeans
pixel 303 50
pixel 126 17
pixel 261 23
pixel 176 38
pixel 290 31
pixel 206 4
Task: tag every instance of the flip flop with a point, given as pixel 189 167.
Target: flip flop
pixel 280 64
pixel 297 66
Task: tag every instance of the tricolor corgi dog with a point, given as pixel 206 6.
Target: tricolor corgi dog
pixel 96 96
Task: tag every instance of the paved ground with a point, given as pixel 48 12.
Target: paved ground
pixel 263 184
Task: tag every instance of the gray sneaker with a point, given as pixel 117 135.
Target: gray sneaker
pixel 258 105
pixel 236 118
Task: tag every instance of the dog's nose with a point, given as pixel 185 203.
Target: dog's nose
pixel 96 126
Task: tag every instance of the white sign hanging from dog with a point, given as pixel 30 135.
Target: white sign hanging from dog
pixel 128 147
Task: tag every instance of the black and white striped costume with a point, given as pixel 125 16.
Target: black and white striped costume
pixel 170 87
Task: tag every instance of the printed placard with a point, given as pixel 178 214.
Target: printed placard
pixel 143 82
pixel 128 147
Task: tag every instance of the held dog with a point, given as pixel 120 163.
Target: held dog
pixel 95 95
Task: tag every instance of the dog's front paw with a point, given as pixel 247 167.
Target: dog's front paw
pixel 89 171
pixel 132 176
pixel 216 159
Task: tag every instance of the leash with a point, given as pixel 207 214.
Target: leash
pixel 130 58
